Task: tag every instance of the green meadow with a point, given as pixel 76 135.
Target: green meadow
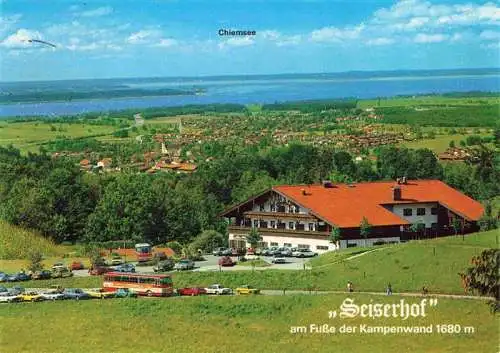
pixel 238 324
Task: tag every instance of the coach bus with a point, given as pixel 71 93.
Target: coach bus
pixel 140 283
pixel 144 252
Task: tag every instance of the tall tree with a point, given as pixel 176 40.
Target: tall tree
pixel 365 228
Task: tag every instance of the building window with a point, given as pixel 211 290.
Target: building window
pixel 311 226
pixel 321 247
pixel 421 211
pixel 273 224
pixel 434 210
pixel 255 223
pixel 262 208
pixel 273 208
pixel 434 226
pixel 274 244
pixel 407 212
pixel 287 245
pixel 303 246
pixel 291 225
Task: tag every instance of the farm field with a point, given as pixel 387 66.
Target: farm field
pixel 438 144
pixel 27 136
pixel 167 325
pixel 426 101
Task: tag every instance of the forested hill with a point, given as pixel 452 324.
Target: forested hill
pixel 54 197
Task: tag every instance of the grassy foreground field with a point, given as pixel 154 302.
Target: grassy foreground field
pixel 235 324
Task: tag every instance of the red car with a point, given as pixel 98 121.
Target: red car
pixel 226 261
pixel 191 291
pixel 76 265
pixel 250 251
pixel 99 270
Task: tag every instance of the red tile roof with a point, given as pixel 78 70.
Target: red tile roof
pixel 345 206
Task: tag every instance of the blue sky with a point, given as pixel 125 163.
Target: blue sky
pixel 125 38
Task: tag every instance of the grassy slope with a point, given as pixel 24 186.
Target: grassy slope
pixel 408 267
pixel 16 243
pixel 231 324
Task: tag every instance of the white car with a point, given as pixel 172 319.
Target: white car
pixel 10 298
pixel 304 253
pixel 279 260
pixel 54 295
pixel 218 289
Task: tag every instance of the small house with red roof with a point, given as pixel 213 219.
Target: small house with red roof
pixel 303 216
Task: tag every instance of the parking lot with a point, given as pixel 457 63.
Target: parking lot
pixel 211 264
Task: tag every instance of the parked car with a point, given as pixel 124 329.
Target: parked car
pixel 3 289
pixel 304 253
pixel 247 289
pixel 218 289
pixel 164 266
pixel 100 293
pixel 76 265
pixel 192 291
pixel 57 265
pixel 116 260
pixel 226 261
pixel 43 274
pixel 99 270
pixel 21 276
pixel 61 272
pixel 4 277
pixel 53 295
pixel 265 252
pixel 32 297
pixel 16 290
pixel 184 265
pixel 125 268
pixel 10 298
pixel 75 293
pixel 125 293
pixel 250 251
pixel 278 260
pixel 220 251
pixel 286 252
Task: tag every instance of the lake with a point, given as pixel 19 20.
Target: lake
pixel 246 90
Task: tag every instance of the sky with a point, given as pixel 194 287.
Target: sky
pixel 157 38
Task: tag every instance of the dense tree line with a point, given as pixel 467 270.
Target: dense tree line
pixel 54 197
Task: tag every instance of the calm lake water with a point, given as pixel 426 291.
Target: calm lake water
pixel 244 91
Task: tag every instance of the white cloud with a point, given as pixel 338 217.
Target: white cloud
pixel 380 41
pixel 237 42
pixel 98 12
pixel 20 39
pixel 430 38
pixel 166 42
pixel 278 38
pixel 147 36
pixel 270 34
pixel 8 22
pixel 333 34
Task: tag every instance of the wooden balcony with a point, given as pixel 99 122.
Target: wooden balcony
pixel 279 232
pixel 280 215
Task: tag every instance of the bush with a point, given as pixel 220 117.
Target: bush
pixel 175 246
pixel 207 241
pixel 35 259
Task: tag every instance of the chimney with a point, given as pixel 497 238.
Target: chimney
pixel 303 191
pixel 396 193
